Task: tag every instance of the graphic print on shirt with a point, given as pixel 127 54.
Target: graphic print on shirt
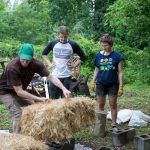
pixel 61 55
pixel 106 64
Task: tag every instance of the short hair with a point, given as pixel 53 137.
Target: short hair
pixel 106 38
pixel 63 30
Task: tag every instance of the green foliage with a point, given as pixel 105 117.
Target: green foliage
pixel 36 22
pixel 129 20
pixel 38 53
pixel 81 16
pixel 5 121
pixel 3 4
pixel 137 64
pixel 2 7
pixel 26 29
pixel 98 17
pixel 43 14
pixel 90 48
pixel 15 24
pixel 84 134
pixel 4 25
pixel 9 48
pixel 136 60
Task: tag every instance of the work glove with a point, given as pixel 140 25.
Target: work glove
pixel 120 91
pixel 93 85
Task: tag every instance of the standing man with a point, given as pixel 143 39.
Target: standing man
pixel 63 50
pixel 15 79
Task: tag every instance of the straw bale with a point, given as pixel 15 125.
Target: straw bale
pixel 59 119
pixel 20 142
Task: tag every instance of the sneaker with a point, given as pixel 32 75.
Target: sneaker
pixel 114 129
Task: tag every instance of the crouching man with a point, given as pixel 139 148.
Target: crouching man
pixel 15 79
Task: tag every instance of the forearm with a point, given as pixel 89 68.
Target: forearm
pixel 120 75
pixel 27 95
pixel 56 81
pixel 47 60
pixel 95 74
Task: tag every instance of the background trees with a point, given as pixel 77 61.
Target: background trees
pixel 129 19
pixel 36 22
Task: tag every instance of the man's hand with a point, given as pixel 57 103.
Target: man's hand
pixel 24 94
pixel 49 63
pixel 68 99
pixel 120 91
pixel 66 93
pixel 44 99
pixel 52 65
pixel 58 83
pixel 93 85
pixel 71 65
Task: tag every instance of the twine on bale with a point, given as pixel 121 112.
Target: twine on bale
pixel 59 119
pixel 20 142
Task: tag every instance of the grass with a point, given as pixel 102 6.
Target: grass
pixel 5 120
pixel 134 98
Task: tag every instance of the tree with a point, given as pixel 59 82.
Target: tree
pixel 81 16
pixel 3 19
pixel 129 20
pixel 100 8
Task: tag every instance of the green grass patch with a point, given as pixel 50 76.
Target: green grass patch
pixel 5 120
pixel 136 97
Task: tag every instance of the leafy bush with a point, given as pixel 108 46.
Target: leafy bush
pixel 129 20
pixel 9 48
pixel 90 48
pixel 136 64
pixel 38 53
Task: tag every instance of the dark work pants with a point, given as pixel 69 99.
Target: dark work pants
pixel 55 92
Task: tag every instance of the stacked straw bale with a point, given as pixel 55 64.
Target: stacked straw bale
pixel 20 142
pixel 59 119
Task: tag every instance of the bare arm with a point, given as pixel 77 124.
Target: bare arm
pixel 57 82
pixel 95 74
pixel 49 63
pixel 24 94
pixel 120 73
